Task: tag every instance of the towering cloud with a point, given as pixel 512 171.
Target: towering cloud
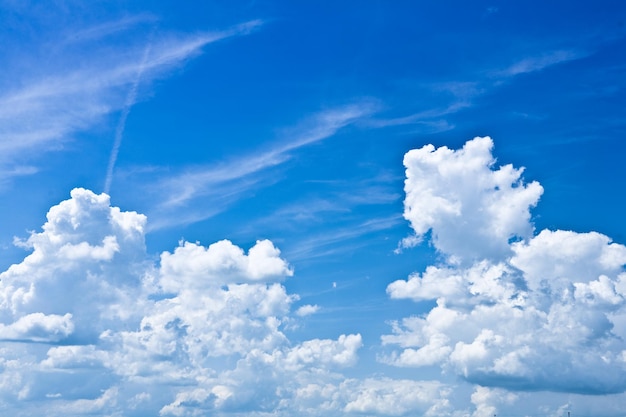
pixel 516 310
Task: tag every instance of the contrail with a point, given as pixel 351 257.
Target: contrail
pixel 119 132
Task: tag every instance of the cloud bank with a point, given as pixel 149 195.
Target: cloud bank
pixel 90 323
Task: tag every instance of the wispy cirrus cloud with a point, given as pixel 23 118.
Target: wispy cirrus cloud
pixel 224 183
pixel 433 119
pixel 334 242
pixel 108 28
pixel 332 205
pixel 454 96
pixel 44 110
pixel 540 62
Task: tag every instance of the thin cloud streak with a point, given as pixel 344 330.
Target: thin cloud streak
pixel 119 132
pixel 221 185
pixel 339 202
pixel 430 119
pixel 434 119
pixel 464 93
pixel 314 247
pixel 200 182
pixel 538 63
pixel 108 28
pixel 49 110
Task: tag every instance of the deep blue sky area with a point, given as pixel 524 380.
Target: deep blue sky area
pixel 315 208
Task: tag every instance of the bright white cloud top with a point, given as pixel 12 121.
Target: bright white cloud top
pixel 204 210
pixel 472 210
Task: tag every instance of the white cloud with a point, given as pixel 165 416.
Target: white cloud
pixel 453 285
pixel 471 209
pixel 73 357
pixel 575 257
pixel 399 397
pixel 540 313
pixel 193 266
pixel 73 268
pixel 341 353
pixel 204 329
pixel 435 351
pixel 201 330
pixel 90 406
pixel 273 381
pixel 38 327
pixel 205 323
pixel 307 310
pixel 488 400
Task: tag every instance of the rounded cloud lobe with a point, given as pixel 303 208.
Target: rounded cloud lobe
pixel 192 266
pixel 514 310
pixel 472 210
pixel 84 265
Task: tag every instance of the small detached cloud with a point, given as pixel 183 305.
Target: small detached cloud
pixel 514 309
pixel 192 266
pixel 307 310
pixel 398 398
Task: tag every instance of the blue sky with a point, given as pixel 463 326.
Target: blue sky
pixel 273 208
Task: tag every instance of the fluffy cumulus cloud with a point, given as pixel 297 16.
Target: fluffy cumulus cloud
pixel 83 267
pixel 472 210
pixel 515 310
pixel 399 397
pixel 193 266
pixel 89 325
pixel 38 327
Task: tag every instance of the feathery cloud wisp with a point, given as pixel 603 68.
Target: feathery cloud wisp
pixel 226 182
pixel 45 111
